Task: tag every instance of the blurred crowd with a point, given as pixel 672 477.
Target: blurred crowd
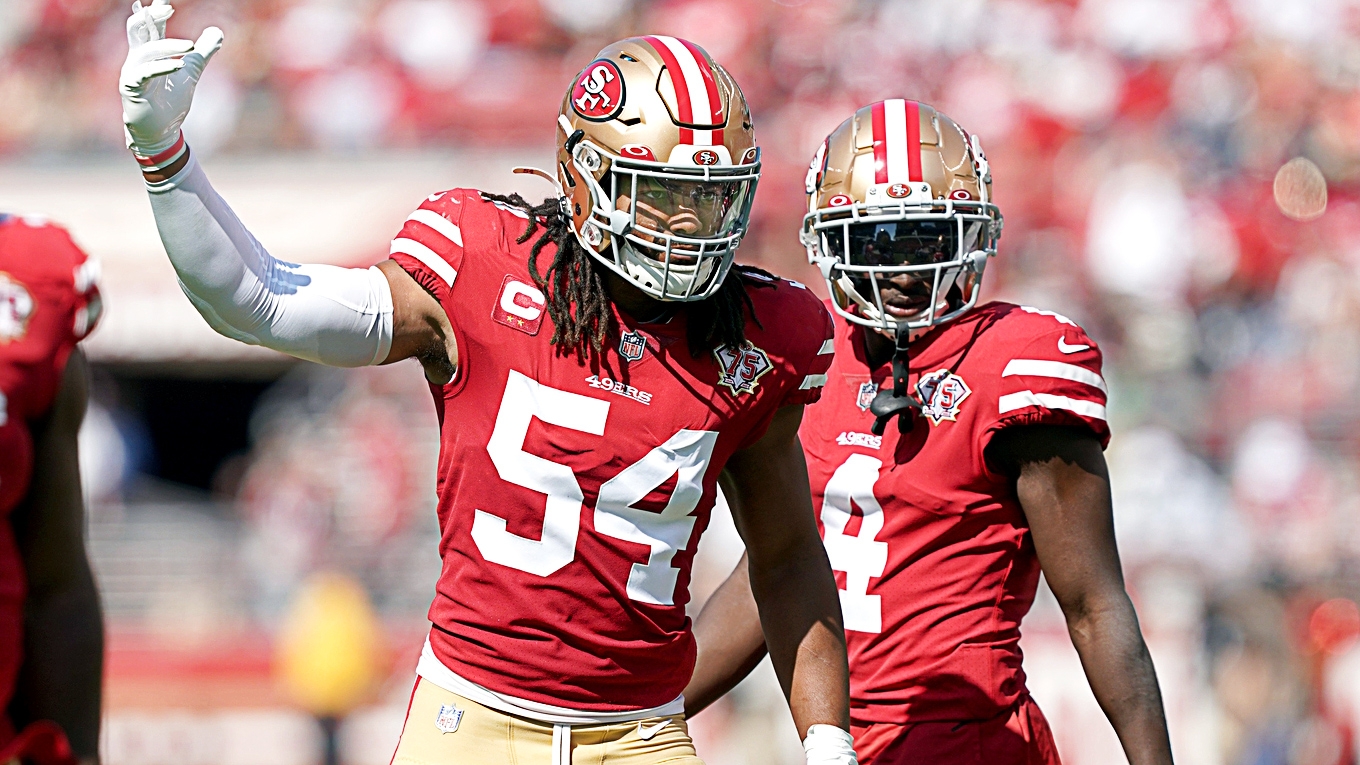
pixel 1134 145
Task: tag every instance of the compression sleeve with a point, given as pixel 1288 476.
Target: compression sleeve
pixel 331 315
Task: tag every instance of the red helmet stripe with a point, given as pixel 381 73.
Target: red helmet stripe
pixel 711 87
pixel 880 144
pixel 695 89
pixel 901 141
pixel 913 117
pixel 677 83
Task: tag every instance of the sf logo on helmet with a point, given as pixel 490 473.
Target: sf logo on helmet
pixel 899 191
pixel 598 93
pixel 706 157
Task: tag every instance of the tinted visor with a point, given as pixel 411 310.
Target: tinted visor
pixel 899 243
pixel 699 209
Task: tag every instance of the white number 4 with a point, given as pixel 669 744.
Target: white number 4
pixel 860 557
pixel 685 455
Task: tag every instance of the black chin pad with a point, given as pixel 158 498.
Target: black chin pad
pixel 885 406
pixel 897 402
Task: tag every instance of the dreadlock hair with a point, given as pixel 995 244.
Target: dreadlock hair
pixel 579 304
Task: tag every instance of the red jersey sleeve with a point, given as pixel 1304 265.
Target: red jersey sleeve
pixel 89 303
pixel 812 357
pixel 429 246
pixel 1055 379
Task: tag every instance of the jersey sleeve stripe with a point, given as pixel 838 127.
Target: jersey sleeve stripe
pixel 812 381
pixel 445 227
pixel 1024 398
pixel 827 347
pixel 1055 369
pixel 425 255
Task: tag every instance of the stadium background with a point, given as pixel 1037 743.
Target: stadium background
pixel 1133 142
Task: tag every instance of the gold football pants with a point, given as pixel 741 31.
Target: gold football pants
pixel 443 728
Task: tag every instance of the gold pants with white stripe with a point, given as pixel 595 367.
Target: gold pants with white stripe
pixel 487 737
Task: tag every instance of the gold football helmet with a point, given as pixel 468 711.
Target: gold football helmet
pixel 658 165
pixel 901 189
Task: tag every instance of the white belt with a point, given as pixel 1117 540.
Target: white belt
pixel 561 718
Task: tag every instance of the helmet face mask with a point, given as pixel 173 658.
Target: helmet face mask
pixel 672 231
pixel 928 259
pixel 670 228
pixel 901 225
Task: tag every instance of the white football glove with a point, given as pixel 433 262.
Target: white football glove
pixel 829 745
pixel 158 78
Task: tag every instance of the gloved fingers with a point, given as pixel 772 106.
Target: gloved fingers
pixel 163 49
pixel 157 51
pixel 148 23
pixel 207 46
pixel 135 78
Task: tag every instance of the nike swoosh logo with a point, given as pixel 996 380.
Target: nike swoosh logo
pixel 646 733
pixel 1065 348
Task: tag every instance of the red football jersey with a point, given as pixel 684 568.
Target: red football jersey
pixel 932 552
pixel 48 302
pixel 572 494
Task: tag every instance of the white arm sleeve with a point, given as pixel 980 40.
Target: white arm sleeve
pixel 341 317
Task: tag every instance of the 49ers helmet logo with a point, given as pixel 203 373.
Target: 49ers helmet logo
pixel 899 191
pixel 706 157
pixel 598 93
pixel 741 368
pixel 16 306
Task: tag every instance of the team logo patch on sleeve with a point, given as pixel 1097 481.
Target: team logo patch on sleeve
pixel 741 368
pixel 520 306
pixel 16 306
pixel 632 345
pixel 448 718
pixel 942 392
pixel 867 391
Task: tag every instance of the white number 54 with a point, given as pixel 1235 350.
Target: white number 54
pixel 685 455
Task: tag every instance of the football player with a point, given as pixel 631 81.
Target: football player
pixel 598 366
pixel 51 630
pixel 956 453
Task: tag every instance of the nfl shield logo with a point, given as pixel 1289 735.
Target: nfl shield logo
pixel 942 393
pixel 632 345
pixel 867 391
pixel 448 718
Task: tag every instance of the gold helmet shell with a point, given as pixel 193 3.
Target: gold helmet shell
pixel 658 165
pixel 900 173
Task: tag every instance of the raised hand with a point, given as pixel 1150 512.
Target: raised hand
pixel 158 79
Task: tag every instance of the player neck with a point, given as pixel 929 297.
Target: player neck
pixel 640 306
pixel 879 347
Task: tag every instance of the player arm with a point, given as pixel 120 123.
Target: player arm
pixel 792 585
pixel 61 676
pixel 344 317
pixel 1064 490
pixel 731 642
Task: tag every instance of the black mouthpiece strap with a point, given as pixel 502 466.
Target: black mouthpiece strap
pixel 898 402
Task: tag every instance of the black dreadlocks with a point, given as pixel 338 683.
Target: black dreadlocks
pixel 579 305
